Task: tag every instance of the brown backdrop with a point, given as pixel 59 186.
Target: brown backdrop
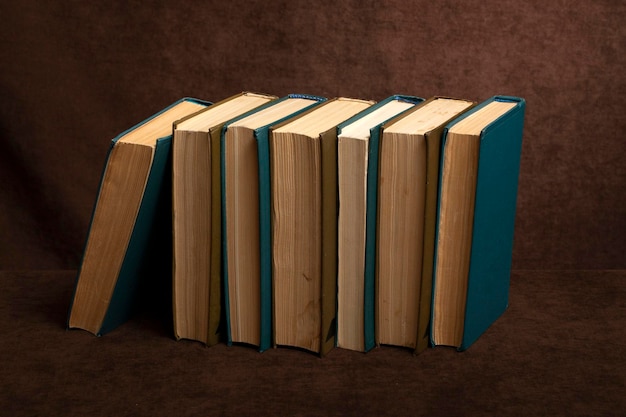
pixel 73 74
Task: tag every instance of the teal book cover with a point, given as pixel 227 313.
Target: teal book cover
pixel 144 278
pixel 261 137
pixel 369 255
pixel 493 220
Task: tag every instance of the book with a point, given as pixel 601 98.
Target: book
pixel 357 159
pixel 303 158
pixel 246 233
pixel 196 195
pixel 118 261
pixel 407 191
pixel 476 217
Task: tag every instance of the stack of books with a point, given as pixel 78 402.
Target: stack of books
pixel 309 222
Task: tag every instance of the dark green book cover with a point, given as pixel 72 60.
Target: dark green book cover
pixel 493 219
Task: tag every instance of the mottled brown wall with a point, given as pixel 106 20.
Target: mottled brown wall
pixel 73 74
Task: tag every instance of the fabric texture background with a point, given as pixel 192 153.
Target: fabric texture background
pixel 75 74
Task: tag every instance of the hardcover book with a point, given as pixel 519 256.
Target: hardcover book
pixel 476 218
pixel 130 221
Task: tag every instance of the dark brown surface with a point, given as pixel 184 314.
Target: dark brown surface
pixel 557 351
pixel 74 74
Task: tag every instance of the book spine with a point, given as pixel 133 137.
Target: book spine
pixel 265 238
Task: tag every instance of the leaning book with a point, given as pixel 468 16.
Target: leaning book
pixel 130 221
